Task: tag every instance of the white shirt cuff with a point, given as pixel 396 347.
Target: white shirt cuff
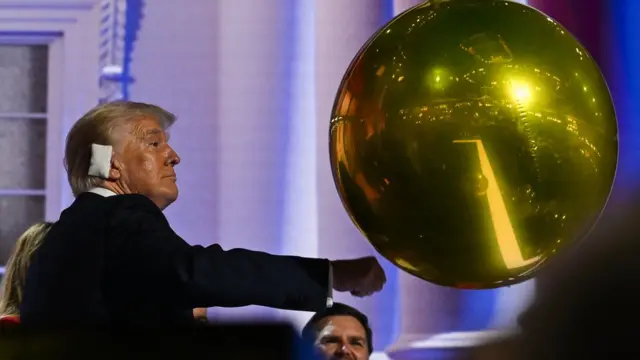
pixel 330 291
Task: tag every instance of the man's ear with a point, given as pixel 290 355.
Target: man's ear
pixel 115 173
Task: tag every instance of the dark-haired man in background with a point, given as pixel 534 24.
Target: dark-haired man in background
pixel 341 332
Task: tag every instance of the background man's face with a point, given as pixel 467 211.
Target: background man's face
pixel 342 337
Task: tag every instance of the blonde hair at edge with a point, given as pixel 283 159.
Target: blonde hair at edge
pixel 16 270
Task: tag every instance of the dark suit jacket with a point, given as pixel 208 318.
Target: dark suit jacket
pixel 116 260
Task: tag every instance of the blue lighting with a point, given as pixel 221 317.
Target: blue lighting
pixel 119 25
pixel 133 19
pixel 624 82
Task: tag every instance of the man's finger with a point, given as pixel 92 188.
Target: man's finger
pixel 360 293
pixel 380 285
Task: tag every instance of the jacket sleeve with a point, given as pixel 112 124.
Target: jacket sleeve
pixel 238 277
pixel 196 276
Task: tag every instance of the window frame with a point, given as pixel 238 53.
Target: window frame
pixel 71 29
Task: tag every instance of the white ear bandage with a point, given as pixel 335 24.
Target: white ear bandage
pixel 100 163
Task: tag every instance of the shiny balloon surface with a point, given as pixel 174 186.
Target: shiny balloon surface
pixel 471 140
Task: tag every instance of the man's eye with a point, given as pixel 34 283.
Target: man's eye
pixel 357 343
pixel 329 340
pixel 155 144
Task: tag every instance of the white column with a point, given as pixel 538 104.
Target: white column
pixel 254 94
pixel 300 226
pixel 342 27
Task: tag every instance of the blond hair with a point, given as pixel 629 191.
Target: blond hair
pixel 96 127
pixel 15 272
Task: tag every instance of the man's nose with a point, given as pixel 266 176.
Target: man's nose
pixel 173 158
pixel 343 349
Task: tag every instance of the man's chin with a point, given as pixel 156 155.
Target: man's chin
pixel 169 197
pixel 172 198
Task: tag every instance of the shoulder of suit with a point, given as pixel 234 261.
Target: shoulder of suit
pixel 118 203
pixel 116 199
pixel 134 203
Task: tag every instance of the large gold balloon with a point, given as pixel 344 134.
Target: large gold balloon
pixel 473 139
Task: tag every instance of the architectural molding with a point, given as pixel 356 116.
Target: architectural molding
pixel 31 17
pixel 46 4
pixel 41 21
pixel 119 25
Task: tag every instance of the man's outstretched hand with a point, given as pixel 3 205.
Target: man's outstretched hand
pixel 361 277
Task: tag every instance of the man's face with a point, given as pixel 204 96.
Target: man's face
pixel 145 162
pixel 342 337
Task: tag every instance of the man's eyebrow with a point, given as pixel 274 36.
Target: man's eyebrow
pixel 357 337
pixel 329 337
pixel 154 131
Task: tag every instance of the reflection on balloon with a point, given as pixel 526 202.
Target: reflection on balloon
pixel 471 140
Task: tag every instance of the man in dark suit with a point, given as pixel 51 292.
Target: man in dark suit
pixel 112 258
